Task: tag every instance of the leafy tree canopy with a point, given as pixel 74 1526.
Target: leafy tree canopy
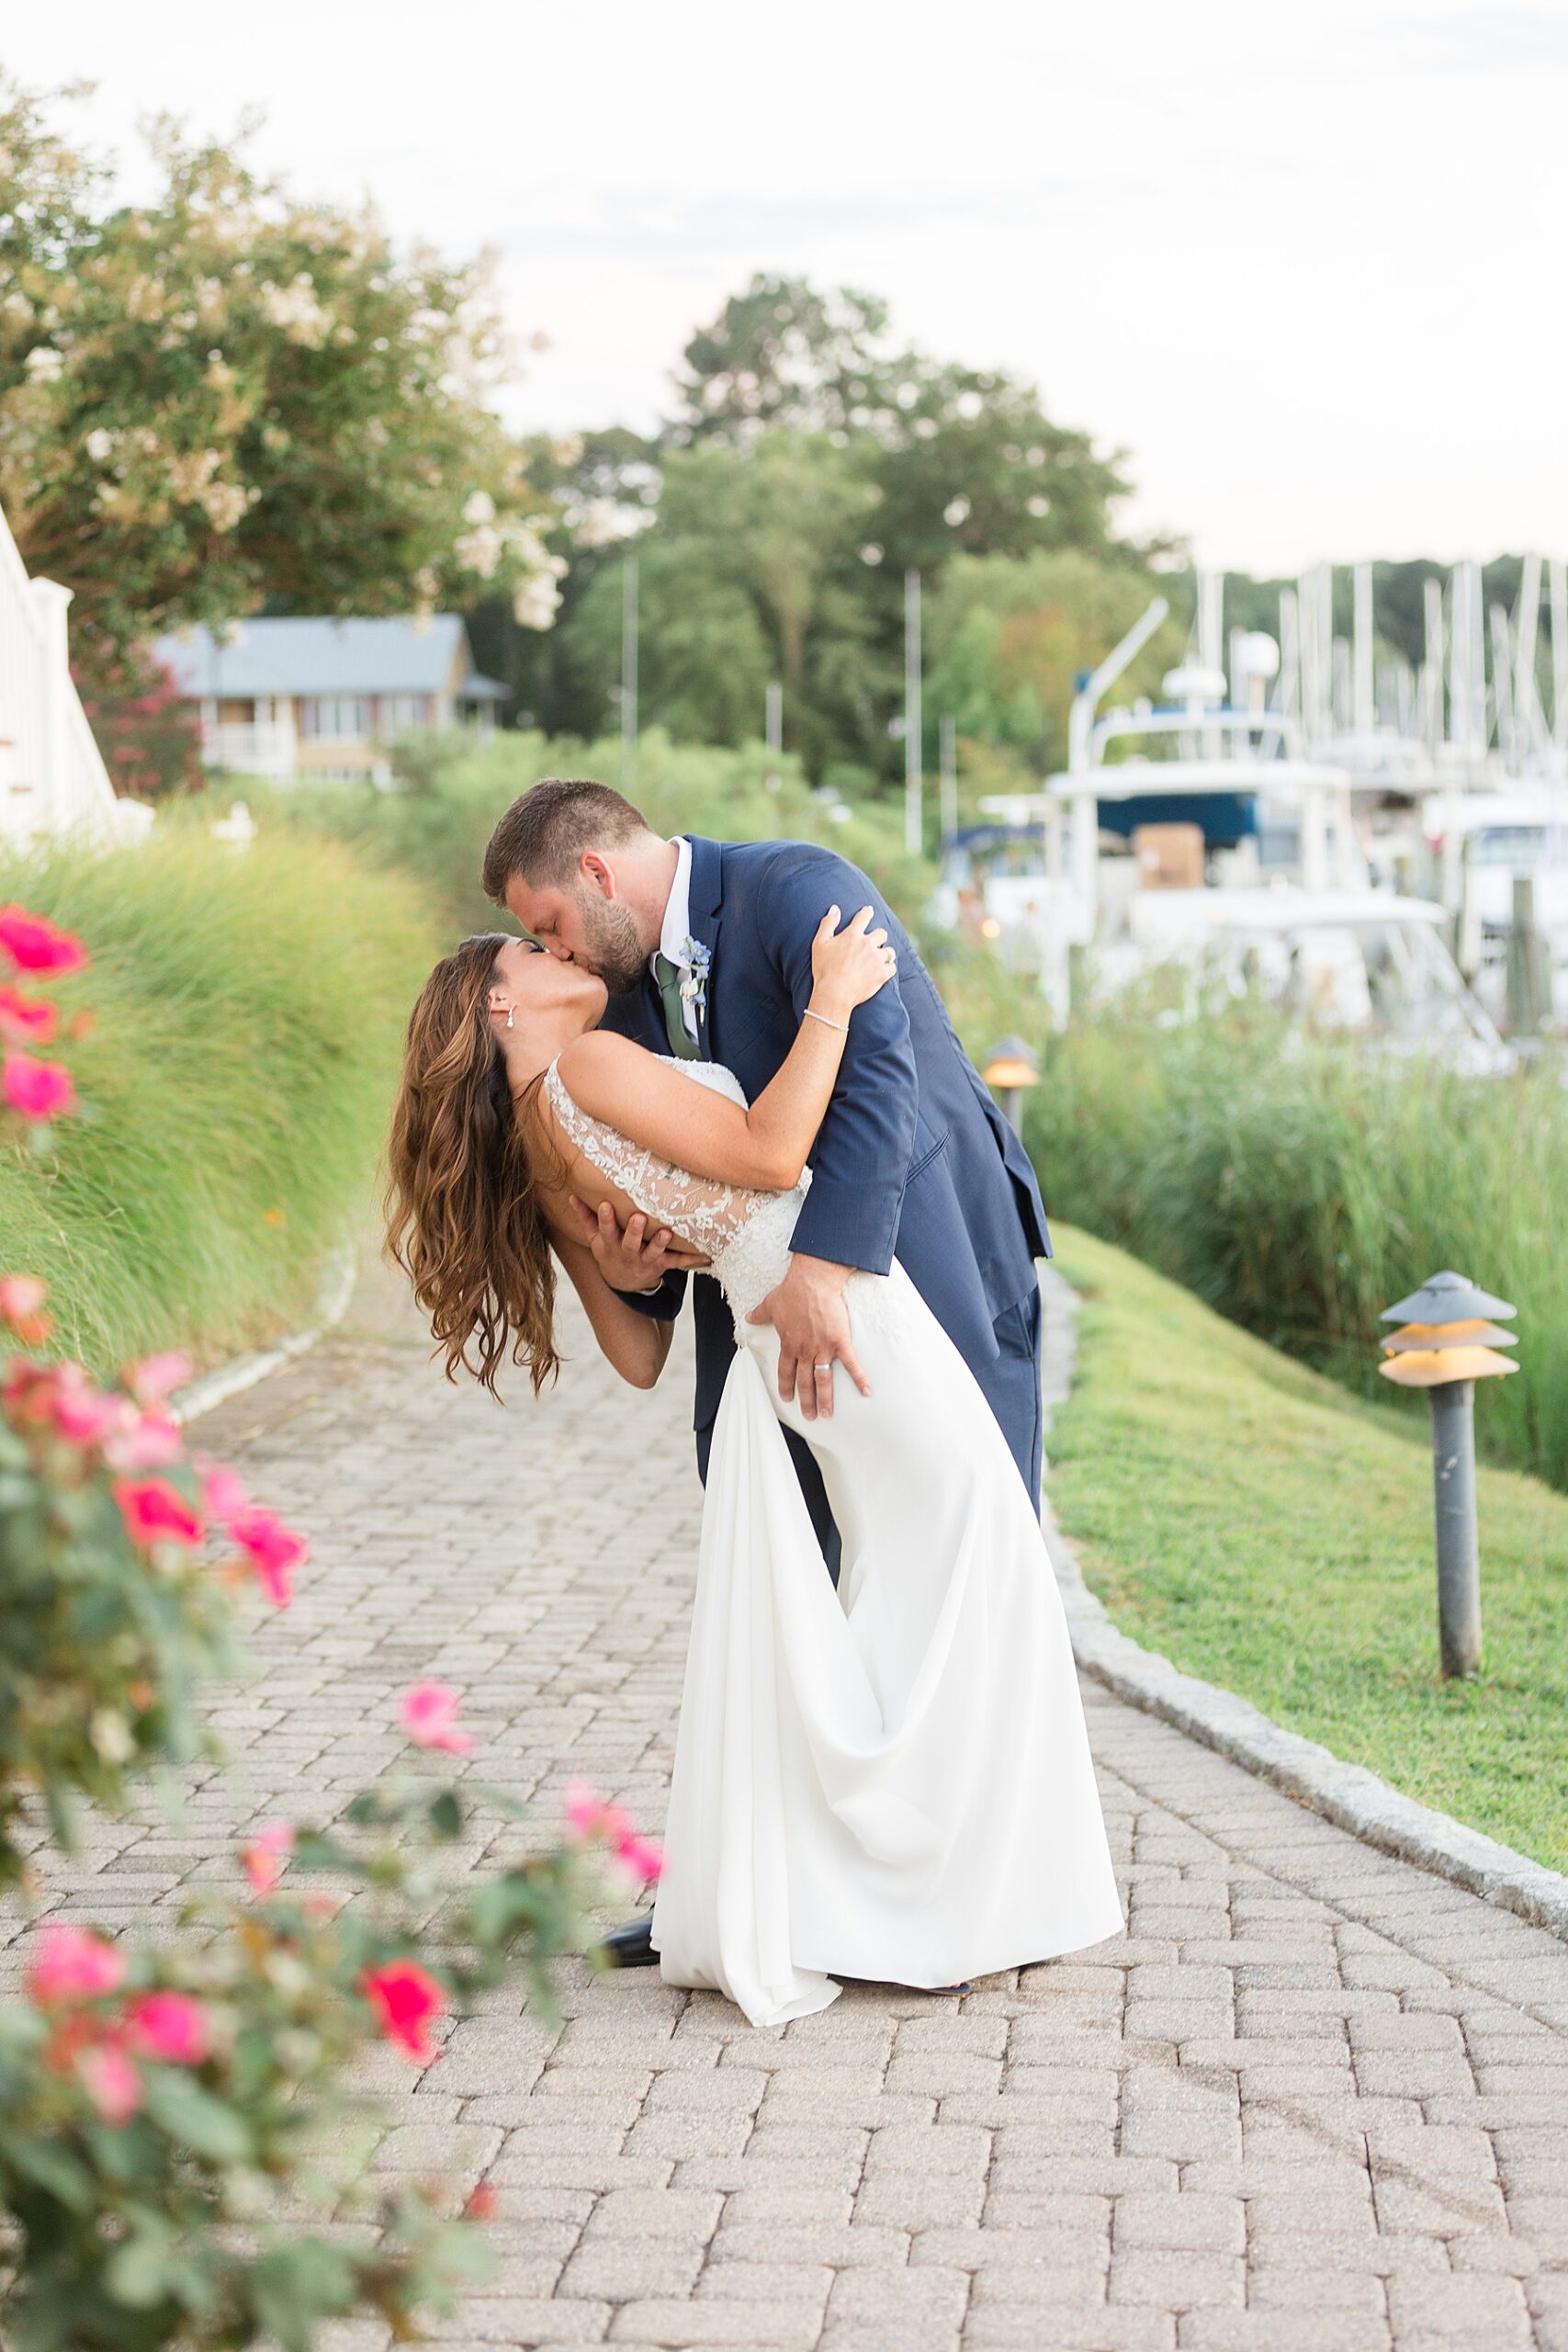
pixel 226 397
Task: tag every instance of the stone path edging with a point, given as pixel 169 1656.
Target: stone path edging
pixel 232 1379
pixel 1346 1794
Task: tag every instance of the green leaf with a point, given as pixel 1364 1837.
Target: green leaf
pixel 63 1818
pixel 136 2274
pixel 64 2175
pixel 312 1851
pixel 295 2285
pixel 445 1815
pixel 191 2116
pixel 462 2251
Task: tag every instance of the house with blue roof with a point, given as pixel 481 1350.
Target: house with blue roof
pixel 294 700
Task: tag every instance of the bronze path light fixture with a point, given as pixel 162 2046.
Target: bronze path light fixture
pixel 1011 1071
pixel 1448 1340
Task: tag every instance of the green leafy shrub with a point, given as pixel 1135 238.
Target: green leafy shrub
pixel 434 825
pixel 159 2103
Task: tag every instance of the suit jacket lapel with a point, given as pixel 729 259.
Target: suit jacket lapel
pixel 705 903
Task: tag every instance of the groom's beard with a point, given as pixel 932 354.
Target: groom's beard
pixel 612 946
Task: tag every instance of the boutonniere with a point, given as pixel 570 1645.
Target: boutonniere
pixel 698 958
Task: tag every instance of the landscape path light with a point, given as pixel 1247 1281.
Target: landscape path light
pixel 1448 1340
pixel 1011 1071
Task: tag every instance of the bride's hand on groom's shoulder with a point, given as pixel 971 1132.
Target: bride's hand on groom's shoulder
pixel 849 967
pixel 636 1259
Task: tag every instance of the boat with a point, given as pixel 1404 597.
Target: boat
pixel 1200 837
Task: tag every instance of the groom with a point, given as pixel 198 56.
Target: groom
pixel 705 949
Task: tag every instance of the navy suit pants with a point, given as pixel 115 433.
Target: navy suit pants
pixel 1011 1385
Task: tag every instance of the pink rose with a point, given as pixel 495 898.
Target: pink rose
pixel 223 1493
pixel 146 1441
pixel 643 1859
pixel 588 1816
pixel 82 1414
pixel 20 1296
pixel 110 2081
pixel 74 1964
pixel 266 1855
pixel 273 1551
pixel 36 944
pixel 430 1718
pixel 36 1090
pixel 156 1512
pixel 156 1377
pixel 26 1021
pixel 406 1999
pixel 168 2025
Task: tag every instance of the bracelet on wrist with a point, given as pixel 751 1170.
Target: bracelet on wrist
pixel 841 1026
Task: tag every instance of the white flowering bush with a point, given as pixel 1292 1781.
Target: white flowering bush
pixel 224 395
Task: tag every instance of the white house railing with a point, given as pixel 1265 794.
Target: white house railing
pixel 52 777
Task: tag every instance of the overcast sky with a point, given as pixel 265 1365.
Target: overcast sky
pixel 1304 262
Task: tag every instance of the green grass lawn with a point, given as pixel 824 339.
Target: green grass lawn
pixel 1268 1532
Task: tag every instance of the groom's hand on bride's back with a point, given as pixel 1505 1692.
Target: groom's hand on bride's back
pixel 809 1313
pixel 637 1259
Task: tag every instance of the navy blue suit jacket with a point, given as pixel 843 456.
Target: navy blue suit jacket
pixel 913 1159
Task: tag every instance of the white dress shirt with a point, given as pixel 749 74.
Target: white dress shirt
pixel 675 937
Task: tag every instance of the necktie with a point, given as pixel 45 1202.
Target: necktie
pixel 681 1043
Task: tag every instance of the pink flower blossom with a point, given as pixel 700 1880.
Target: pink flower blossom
pixel 146 1441
pixel 406 1999
pixel 21 1295
pixel 273 1551
pixel 110 2081
pixel 35 1090
pixel 156 1512
pixel 588 1816
pixel 26 1020
pixel 168 2025
pixel 642 1857
pixel 591 1820
pixel 223 1493
pixel 156 1377
pixel 430 1718
pixel 266 1855
pixel 72 1965
pixel 81 1413
pixel 36 944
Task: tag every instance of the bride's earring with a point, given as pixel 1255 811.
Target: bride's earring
pixel 512 1016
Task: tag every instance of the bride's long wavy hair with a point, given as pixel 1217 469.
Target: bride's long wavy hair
pixel 462 1207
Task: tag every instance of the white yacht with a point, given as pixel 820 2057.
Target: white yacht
pixel 1200 837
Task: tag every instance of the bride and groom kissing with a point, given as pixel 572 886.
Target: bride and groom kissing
pixel 694 1071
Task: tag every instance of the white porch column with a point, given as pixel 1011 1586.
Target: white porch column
pixel 53 811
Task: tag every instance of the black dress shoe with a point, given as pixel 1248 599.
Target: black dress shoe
pixel 631 1946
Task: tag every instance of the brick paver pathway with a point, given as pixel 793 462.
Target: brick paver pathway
pixel 1314 2098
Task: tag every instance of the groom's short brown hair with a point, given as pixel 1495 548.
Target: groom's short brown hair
pixel 548 828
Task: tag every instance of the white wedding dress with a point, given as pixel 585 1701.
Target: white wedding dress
pixel 891 1781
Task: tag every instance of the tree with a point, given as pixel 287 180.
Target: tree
pixel 598 490
pixel 1009 638
pixel 227 397
pixel 783 353
pixel 749 574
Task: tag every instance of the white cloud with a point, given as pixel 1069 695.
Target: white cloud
pixel 1299 260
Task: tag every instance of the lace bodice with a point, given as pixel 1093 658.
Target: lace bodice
pixel 746 1233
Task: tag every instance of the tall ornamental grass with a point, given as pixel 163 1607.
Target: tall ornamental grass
pixel 434 823
pixel 247 1011
pixel 1301 1185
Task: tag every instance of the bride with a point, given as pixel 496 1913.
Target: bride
pixel 890 1780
